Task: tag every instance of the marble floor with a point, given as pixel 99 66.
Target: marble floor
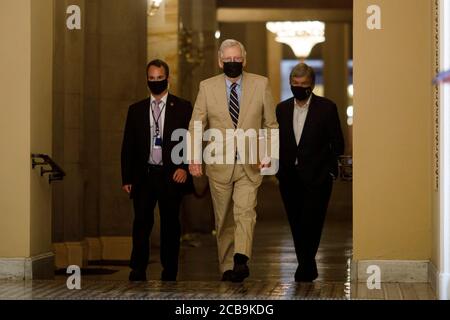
pixel 272 267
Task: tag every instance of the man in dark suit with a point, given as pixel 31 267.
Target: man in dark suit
pixel 151 175
pixel 310 142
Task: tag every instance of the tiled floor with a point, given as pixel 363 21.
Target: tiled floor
pixel 272 267
pixel 209 290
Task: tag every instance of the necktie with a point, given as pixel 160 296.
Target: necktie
pixel 234 105
pixel 157 151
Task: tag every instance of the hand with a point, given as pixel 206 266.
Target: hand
pixel 180 176
pixel 196 170
pixel 127 188
pixel 265 163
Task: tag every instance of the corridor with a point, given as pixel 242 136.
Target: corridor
pixel 271 269
pixel 70 71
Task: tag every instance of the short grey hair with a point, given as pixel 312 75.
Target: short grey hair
pixel 231 43
pixel 302 70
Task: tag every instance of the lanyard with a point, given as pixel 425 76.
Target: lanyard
pixel 156 121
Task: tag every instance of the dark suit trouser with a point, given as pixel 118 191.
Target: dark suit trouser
pixel 157 187
pixel 306 206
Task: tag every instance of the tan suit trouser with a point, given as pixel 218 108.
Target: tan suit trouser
pixel 235 215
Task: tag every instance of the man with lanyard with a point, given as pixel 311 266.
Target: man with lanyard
pixel 150 175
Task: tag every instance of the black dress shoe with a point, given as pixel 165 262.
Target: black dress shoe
pixel 137 275
pixel 168 276
pixel 305 278
pixel 227 275
pixel 240 270
pixel 306 275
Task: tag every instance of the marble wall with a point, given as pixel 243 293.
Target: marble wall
pixel 336 54
pixel 99 71
pixel 68 75
pixel 26 29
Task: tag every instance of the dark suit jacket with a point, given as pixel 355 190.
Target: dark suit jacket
pixel 320 144
pixel 136 141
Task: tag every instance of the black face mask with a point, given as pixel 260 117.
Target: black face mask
pixel 232 69
pixel 158 87
pixel 301 93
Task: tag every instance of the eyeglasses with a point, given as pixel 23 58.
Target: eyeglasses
pixel 234 59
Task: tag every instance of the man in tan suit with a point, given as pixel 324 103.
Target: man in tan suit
pixel 230 101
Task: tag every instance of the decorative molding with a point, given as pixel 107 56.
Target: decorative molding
pixel 354 271
pixel 70 253
pixel 439 281
pixel 116 248
pixel 436 95
pixel 37 267
pixel 433 276
pixel 443 287
pixel 60 251
pixel 94 249
pixel 393 270
pixel 444 154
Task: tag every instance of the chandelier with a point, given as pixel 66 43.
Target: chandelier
pixel 153 6
pixel 300 36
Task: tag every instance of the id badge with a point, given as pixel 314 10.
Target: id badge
pixel 157 144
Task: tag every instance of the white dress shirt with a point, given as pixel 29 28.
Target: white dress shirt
pixel 162 106
pixel 300 114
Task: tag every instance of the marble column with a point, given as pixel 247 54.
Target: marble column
pixel 197 45
pixel 67 135
pixel 336 53
pixel 197 61
pixel 274 57
pixel 99 73
pixel 122 82
pixel 26 30
pixel 162 39
pixel 162 43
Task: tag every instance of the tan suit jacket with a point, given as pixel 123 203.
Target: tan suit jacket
pixel 257 111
